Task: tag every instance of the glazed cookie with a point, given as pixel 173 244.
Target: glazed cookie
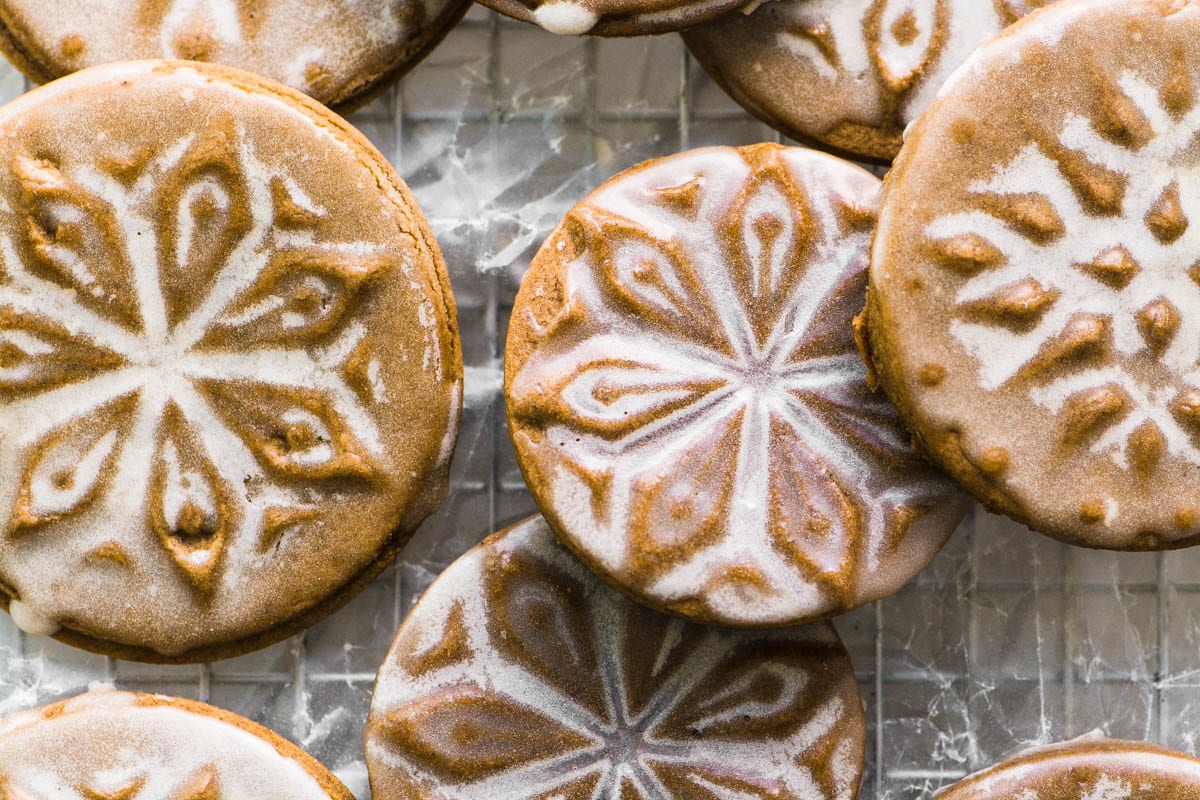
pixel 521 676
pixel 107 745
pixel 687 403
pixel 846 74
pixel 614 17
pixel 229 366
pixel 1088 768
pixel 342 52
pixel 1034 307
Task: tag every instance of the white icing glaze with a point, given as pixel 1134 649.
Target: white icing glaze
pixel 98 479
pixel 625 738
pixel 709 360
pixel 106 743
pixel 565 18
pixel 877 63
pixel 30 621
pixel 1100 769
pixel 1001 352
pixel 324 47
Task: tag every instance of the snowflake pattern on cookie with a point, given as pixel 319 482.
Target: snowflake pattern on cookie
pixel 1102 342
pixel 203 785
pixel 520 675
pixel 134 350
pixel 695 416
pixel 109 745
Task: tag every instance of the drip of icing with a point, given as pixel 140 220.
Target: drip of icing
pixel 30 621
pixel 565 18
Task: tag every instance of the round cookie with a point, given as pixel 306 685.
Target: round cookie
pixel 230 373
pixel 849 75
pixel 1088 768
pixel 613 17
pixel 520 675
pixel 342 52
pixel 1034 308
pixel 106 745
pixel 687 403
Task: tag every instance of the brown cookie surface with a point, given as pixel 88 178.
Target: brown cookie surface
pixel 1088 768
pixel 229 366
pixel 613 17
pixel 848 74
pixel 521 675
pixel 339 51
pixel 686 400
pixel 107 745
pixel 1034 307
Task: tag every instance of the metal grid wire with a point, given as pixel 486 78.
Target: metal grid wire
pixel 1008 639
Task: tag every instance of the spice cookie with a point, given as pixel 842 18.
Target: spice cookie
pixel 848 74
pixel 1034 307
pixel 229 365
pixel 520 675
pixel 687 403
pixel 613 17
pixel 342 52
pixel 1088 768
pixel 107 745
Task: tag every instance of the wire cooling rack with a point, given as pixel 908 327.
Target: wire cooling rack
pixel 1008 639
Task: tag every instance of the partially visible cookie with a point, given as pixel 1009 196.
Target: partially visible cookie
pixel 613 17
pixel 230 373
pixel 687 403
pixel 107 745
pixel 847 74
pixel 341 52
pixel 1034 305
pixel 1088 768
pixel 520 675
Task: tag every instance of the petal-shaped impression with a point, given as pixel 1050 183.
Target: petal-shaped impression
pixel 697 711
pixel 203 785
pixel 468 733
pixel 192 510
pixel 652 453
pixel 768 235
pixel 297 433
pixel 539 620
pixel 904 36
pixel 813 517
pixel 38 354
pixel 612 396
pixel 210 213
pixel 68 469
pixel 648 277
pixel 74 238
pixel 682 502
pixel 301 295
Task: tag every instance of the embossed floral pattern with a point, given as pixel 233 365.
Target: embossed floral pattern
pixel 203 785
pixel 695 416
pixel 1101 340
pixel 521 675
pixel 171 321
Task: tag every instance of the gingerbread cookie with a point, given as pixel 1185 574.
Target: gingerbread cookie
pixel 520 675
pixel 1088 768
pixel 107 745
pixel 687 403
pixel 847 74
pixel 613 17
pixel 229 365
pixel 342 52
pixel 1035 297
